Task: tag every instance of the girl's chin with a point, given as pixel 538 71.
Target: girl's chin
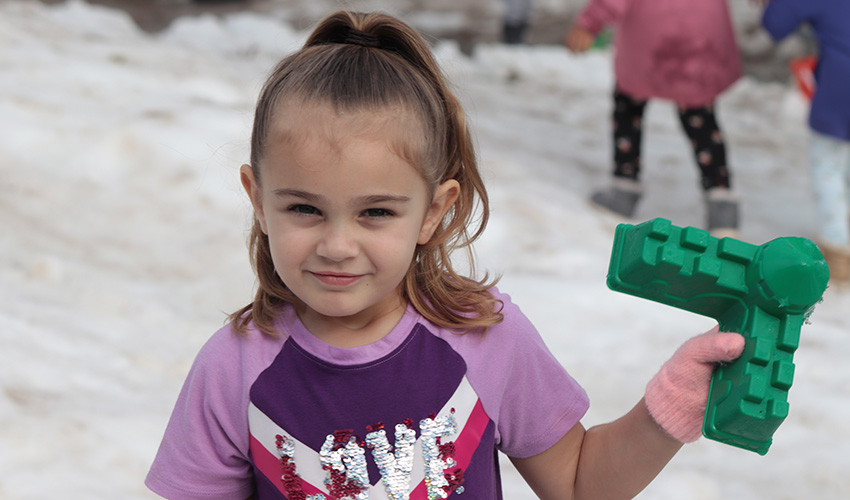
pixel 350 313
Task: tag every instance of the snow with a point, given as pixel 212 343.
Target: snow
pixel 124 226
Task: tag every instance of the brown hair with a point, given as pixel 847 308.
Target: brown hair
pixel 358 62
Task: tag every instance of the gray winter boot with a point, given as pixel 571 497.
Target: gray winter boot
pixel 621 197
pixel 722 211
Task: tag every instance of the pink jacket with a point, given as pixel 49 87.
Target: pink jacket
pixel 682 50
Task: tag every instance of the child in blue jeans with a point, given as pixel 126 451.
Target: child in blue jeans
pixel 829 118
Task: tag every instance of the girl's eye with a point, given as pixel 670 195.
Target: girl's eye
pixel 304 210
pixel 377 213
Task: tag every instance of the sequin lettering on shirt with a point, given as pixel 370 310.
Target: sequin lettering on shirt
pixel 345 460
pixel 290 479
pixel 395 465
pixel 442 476
pixel 343 456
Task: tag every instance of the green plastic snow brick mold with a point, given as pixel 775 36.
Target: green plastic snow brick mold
pixel 764 292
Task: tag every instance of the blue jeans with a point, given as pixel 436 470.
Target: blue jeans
pixel 830 172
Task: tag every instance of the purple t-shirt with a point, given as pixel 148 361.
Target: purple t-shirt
pixel 420 412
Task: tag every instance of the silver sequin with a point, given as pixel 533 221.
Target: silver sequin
pixel 395 465
pixel 286 452
pixel 433 431
pixel 285 447
pixel 349 460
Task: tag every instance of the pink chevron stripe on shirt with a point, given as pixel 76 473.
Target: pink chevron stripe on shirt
pixel 471 418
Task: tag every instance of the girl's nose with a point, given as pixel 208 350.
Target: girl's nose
pixel 337 243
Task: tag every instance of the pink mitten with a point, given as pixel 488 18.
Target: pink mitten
pixel 676 396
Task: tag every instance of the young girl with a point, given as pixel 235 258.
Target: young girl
pixel 367 366
pixel 829 119
pixel 678 50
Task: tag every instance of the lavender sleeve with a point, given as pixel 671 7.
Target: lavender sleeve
pixel 524 389
pixel 204 452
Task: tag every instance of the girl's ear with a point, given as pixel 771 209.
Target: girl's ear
pixel 444 197
pixel 246 175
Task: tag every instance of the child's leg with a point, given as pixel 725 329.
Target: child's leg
pixel 830 175
pixel 515 20
pixel 624 192
pixel 700 124
pixel 628 134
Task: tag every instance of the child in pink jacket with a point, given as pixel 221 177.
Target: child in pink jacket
pixel 679 50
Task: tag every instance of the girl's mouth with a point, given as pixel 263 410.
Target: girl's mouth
pixel 337 279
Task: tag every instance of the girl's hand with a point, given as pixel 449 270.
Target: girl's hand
pixel 579 39
pixel 676 397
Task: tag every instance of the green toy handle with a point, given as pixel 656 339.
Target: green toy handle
pixel 763 292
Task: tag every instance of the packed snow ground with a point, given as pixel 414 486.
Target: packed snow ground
pixel 123 225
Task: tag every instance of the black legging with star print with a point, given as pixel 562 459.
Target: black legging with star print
pixel 700 125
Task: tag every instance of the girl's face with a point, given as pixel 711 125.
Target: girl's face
pixel 343 214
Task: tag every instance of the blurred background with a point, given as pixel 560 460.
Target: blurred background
pixel 123 124
pixel 469 22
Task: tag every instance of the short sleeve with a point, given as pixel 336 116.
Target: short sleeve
pixel 524 389
pixel 204 452
pixel 542 401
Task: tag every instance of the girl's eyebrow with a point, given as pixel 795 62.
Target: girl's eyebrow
pixel 363 200
pixel 382 198
pixel 296 193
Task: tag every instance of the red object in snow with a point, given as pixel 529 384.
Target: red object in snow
pixel 803 69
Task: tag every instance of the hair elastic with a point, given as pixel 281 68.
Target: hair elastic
pixel 357 37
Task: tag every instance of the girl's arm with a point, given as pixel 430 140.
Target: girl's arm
pixel 599 13
pixel 619 459
pixel 595 15
pixel 783 17
pixel 614 460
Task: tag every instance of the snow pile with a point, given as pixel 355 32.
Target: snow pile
pixel 123 229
